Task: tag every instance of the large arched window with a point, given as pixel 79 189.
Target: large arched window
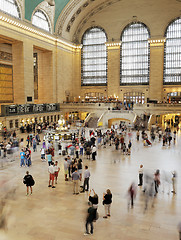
pixel 10 7
pixel 135 53
pixel 172 58
pixel 40 20
pixel 94 57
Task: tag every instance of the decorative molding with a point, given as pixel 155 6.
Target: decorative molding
pixel 113 44
pixel 5 56
pixel 96 10
pixel 157 42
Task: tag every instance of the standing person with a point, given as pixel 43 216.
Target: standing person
pixel 89 220
pixel 42 151
pixel 66 166
pixel 69 165
pixel 49 158
pixel 57 170
pixel 81 149
pixel 29 181
pixel 22 155
pixel 34 145
pixel 79 167
pixel 77 151
pixel 51 171
pixel 86 179
pixel 94 152
pixel 131 195
pixel 93 200
pixel 75 179
pixel 157 180
pixel 107 200
pixel 140 175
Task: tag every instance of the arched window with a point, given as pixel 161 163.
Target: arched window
pixel 172 57
pixel 10 7
pixel 94 57
pixel 135 54
pixel 40 20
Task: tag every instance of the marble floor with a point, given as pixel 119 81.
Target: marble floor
pixel 55 214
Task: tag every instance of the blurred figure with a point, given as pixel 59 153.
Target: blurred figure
pixel 149 194
pixel 140 175
pixel 174 175
pixel 107 200
pixel 157 180
pixel 89 220
pixel 29 181
pixel 179 230
pixel 131 195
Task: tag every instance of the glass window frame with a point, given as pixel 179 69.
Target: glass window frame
pixel 47 20
pixel 171 56
pixel 15 5
pixel 82 70
pixel 132 83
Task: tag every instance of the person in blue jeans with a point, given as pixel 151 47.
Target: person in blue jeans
pixel 22 155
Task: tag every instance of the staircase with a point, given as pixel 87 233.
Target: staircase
pixel 92 123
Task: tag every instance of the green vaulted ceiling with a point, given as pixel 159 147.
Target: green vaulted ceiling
pixel 30 5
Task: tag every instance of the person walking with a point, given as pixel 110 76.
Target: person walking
pixel 75 179
pixel 86 179
pixel 29 181
pixel 51 171
pixel 140 175
pixel 157 180
pixel 107 200
pixel 34 145
pixel 49 158
pixel 42 151
pixel 131 195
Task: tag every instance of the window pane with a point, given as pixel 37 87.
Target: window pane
pixel 172 61
pixel 135 55
pixel 10 7
pixel 94 57
pixel 41 21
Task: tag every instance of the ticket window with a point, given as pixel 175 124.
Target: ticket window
pixel 51 118
pixel 55 118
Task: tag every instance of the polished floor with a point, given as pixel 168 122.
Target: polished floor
pixel 54 214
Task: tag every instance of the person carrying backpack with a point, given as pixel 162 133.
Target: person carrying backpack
pixel 29 181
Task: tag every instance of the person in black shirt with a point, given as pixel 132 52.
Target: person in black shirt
pixel 29 181
pixel 93 200
pixel 107 200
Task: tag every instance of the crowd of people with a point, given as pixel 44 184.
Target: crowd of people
pixel 85 147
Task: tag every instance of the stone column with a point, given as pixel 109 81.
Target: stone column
pixel 77 73
pixel 46 83
pixel 156 69
pixel 23 76
pixel 113 68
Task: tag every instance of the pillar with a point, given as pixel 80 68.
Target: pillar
pixel 23 76
pixel 113 68
pixel 156 69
